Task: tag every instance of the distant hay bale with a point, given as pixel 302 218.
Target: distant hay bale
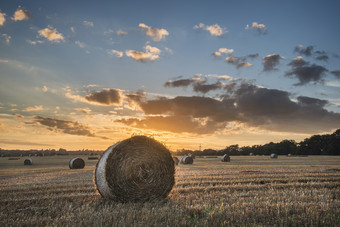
pixel 92 158
pixel 273 155
pixel 77 163
pixel 137 169
pixel 176 160
pixel 28 161
pixel 251 154
pixel 225 158
pixel 191 156
pixel 187 160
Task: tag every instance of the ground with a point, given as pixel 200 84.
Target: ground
pixel 248 191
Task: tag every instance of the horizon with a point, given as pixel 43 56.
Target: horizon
pixel 78 75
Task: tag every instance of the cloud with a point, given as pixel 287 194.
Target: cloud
pixel 118 54
pixel 239 62
pixel 7 38
pixel 243 103
pixel 51 34
pixel 270 61
pixel 157 34
pixel 336 73
pixel 222 51
pixel 67 127
pixel 80 44
pixel 308 51
pixel 33 108
pixel 35 42
pixel 88 23
pixel 226 51
pixel 84 110
pixel 21 14
pixel 121 33
pixel 261 28
pixel 106 97
pixel 2 18
pixel 150 54
pixel 214 30
pixel 180 124
pixel 306 72
pixel 179 83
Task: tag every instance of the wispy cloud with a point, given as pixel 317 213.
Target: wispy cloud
pixel 121 32
pixel 34 42
pixel 21 14
pixel 150 54
pixel 33 108
pixel 2 18
pixel 260 28
pixel 51 34
pixel 157 34
pixel 118 54
pixel 80 44
pixel 214 30
pixel 67 127
pixel 7 38
pixel 88 23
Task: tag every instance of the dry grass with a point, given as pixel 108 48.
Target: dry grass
pixel 248 191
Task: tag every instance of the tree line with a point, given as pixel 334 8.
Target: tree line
pixel 328 144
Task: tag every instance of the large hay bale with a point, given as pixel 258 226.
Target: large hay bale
pixel 187 160
pixel 77 163
pixel 273 155
pixel 136 169
pixel 225 158
pixel 176 160
pixel 28 161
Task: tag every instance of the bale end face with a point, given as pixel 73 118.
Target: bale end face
pixel 186 160
pixel 225 158
pixel 28 161
pixel 137 169
pixel 76 163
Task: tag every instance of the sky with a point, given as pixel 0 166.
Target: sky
pixel 209 74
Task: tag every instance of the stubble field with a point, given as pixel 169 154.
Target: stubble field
pixel 248 191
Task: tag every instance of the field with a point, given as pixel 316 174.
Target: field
pixel 248 191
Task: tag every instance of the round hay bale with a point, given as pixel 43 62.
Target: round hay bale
pixel 176 160
pixel 225 158
pixel 187 160
pixel 191 156
pixel 28 161
pixel 137 169
pixel 273 155
pixel 77 163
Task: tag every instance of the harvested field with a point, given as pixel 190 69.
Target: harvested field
pixel 248 191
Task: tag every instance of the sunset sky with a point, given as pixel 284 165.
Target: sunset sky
pixel 86 74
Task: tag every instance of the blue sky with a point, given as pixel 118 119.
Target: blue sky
pixel 84 75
